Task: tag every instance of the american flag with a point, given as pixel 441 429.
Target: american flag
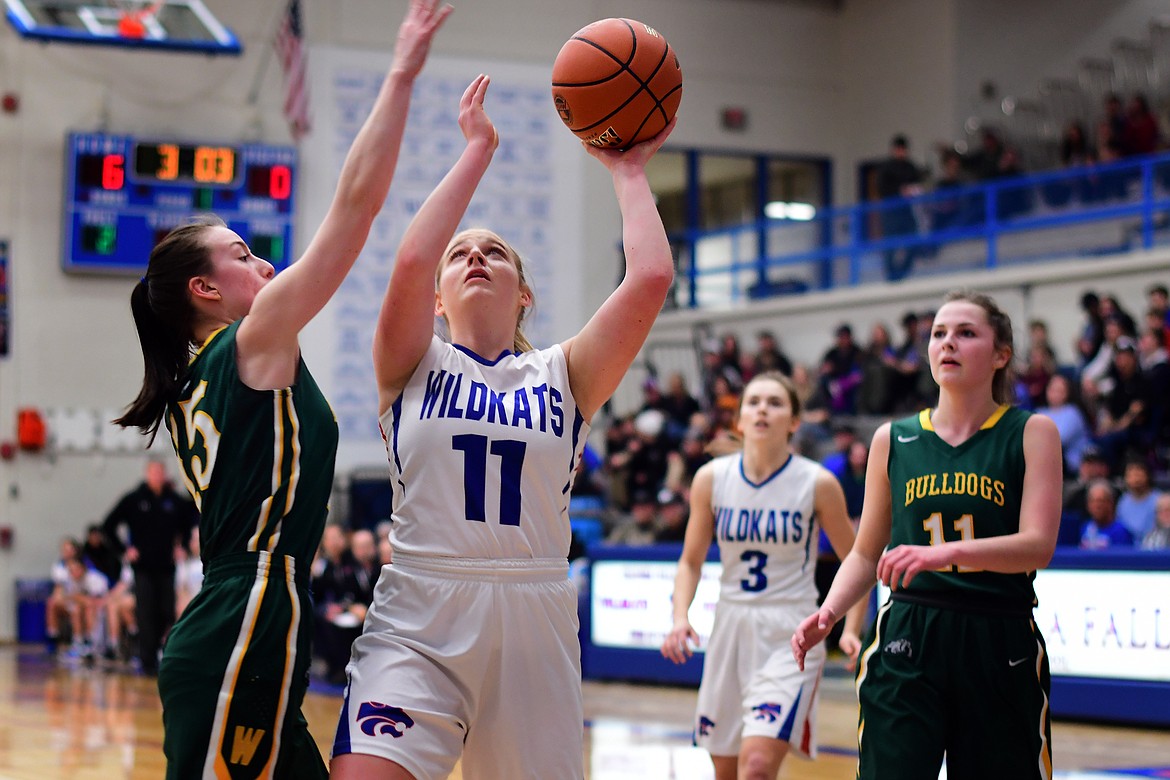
pixel 290 47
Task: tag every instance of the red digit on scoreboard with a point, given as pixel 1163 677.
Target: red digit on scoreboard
pixel 280 182
pixel 113 171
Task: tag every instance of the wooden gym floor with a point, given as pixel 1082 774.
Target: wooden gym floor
pixel 62 720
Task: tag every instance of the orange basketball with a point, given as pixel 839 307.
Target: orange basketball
pixel 616 82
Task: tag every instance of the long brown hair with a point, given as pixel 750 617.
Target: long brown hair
pixel 1003 383
pixel 164 318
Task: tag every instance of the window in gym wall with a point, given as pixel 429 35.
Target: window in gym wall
pixel 707 199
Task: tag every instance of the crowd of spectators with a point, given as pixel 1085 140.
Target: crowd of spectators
pixel 1107 394
pixel 1125 129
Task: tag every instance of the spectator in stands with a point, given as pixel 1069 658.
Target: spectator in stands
pixel 101 554
pixel 714 370
pixel 879 373
pixel 1111 308
pixel 837 459
pixel 769 356
pixel 1124 420
pixel 814 428
pixel 1095 374
pixel 1033 378
pixel 1074 146
pixel 683 463
pixel 640 525
pixel 984 162
pixel 646 453
pixel 1093 467
pixel 731 360
pixel 852 479
pixel 1111 131
pixel 55 607
pixel 364 550
pixel 1069 419
pixel 724 407
pixel 910 365
pixel 1158 300
pixel 1159 537
pixel 333 594
pixel 1101 530
pixel 840 372
pixel 1155 365
pixel 946 213
pixel 680 406
pixel 1140 135
pixel 1135 507
pixel 1038 336
pixel 78 599
pixel 897 178
pixel 1156 321
pixel 1092 331
pixel 672 517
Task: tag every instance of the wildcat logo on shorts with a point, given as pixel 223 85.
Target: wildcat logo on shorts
pixel 899 647
pixel 768 711
pixel 377 719
pixel 705 725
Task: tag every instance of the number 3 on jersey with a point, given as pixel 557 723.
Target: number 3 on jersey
pixel 475 449
pixel 965 526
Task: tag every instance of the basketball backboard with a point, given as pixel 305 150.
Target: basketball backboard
pixel 175 25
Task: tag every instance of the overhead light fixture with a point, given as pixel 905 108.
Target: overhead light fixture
pixel 801 212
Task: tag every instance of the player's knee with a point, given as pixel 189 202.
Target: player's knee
pixel 758 764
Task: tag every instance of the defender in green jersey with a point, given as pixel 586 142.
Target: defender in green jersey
pixel 964 500
pixel 256 442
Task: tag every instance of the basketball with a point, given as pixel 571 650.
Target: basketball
pixel 616 83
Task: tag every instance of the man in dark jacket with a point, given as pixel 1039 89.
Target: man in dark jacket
pixel 145 525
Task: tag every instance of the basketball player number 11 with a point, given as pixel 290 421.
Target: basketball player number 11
pixel 965 525
pixel 475 449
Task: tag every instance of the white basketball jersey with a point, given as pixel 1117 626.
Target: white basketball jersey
pixel 766 532
pixel 482 455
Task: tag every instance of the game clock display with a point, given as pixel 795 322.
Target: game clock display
pixel 122 195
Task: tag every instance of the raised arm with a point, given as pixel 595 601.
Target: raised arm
pixel 600 354
pixel 406 321
pixel 293 298
pixel 679 643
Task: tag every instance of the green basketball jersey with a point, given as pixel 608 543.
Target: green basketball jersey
pixel 942 494
pixel 259 463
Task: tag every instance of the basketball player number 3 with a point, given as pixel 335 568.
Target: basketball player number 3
pixel 475 449
pixel 965 525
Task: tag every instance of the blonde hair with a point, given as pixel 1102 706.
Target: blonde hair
pixel 520 342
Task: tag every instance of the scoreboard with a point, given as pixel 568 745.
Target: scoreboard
pixel 122 195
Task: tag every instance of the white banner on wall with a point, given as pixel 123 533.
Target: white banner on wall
pixel 631 603
pixel 530 196
pixel 1111 624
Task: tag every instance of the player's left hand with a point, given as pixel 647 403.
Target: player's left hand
pixel 897 566
pixel 850 645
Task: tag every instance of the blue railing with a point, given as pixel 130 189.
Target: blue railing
pixel 1083 211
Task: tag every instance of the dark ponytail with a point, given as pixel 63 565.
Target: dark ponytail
pixel 164 318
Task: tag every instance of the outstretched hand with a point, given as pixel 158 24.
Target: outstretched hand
pixel 637 155
pixel 416 33
pixel 812 630
pixel 473 120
